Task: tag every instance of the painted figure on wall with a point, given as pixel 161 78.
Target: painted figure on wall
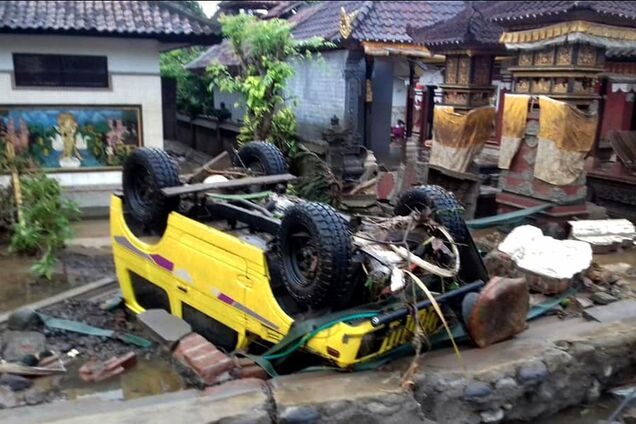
pixel 68 141
pixel 18 137
pixel 73 137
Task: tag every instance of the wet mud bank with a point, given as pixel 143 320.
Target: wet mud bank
pixel 76 267
pixel 153 373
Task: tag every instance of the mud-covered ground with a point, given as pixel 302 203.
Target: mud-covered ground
pixel 154 373
pixel 76 266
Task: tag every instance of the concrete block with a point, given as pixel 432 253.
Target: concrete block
pixel 624 309
pixel 167 328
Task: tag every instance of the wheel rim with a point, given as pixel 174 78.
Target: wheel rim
pixel 303 257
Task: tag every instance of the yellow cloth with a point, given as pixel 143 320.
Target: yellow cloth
pixel 566 135
pixel 457 138
pixel 515 115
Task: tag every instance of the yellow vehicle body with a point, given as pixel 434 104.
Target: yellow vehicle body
pixel 227 279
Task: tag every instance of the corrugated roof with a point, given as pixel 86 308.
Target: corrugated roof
pixel 151 19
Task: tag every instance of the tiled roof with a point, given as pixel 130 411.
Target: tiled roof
pixel 323 19
pixel 469 27
pixel 150 19
pixel 375 20
pixel 522 10
pixel 283 8
pixel 221 54
pixel 385 21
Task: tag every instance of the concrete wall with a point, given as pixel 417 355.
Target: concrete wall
pixel 230 99
pixel 318 86
pixel 134 70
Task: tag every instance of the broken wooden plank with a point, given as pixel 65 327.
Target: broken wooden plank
pixel 220 162
pixel 228 185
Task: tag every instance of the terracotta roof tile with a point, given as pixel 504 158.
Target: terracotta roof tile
pixel 153 18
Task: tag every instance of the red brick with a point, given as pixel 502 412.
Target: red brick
pixel 94 370
pixel 385 186
pixel 250 371
pixel 202 357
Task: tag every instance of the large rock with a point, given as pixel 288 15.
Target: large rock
pixel 500 264
pixel 23 319
pixel 500 311
pixel 8 399
pixel 15 382
pixel 547 285
pixel 18 344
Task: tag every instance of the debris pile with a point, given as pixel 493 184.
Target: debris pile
pixel 72 339
pixel 558 270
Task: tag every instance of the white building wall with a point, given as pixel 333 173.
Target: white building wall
pixel 318 86
pixel 134 69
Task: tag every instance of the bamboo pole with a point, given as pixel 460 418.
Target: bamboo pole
pixel 15 181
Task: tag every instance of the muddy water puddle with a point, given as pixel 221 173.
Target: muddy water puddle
pixel 149 377
pixel 18 287
pixel 77 266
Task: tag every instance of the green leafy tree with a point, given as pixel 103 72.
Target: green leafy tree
pixel 265 50
pixel 193 97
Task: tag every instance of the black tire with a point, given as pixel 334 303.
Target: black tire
pixel 448 212
pixel 146 172
pixel 262 157
pixel 446 209
pixel 316 255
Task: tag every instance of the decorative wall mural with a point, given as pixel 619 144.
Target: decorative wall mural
pixel 70 137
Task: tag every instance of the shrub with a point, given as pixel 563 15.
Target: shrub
pixel 46 223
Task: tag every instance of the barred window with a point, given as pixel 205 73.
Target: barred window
pixel 51 70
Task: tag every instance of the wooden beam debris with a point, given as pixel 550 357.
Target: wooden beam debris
pixel 228 185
